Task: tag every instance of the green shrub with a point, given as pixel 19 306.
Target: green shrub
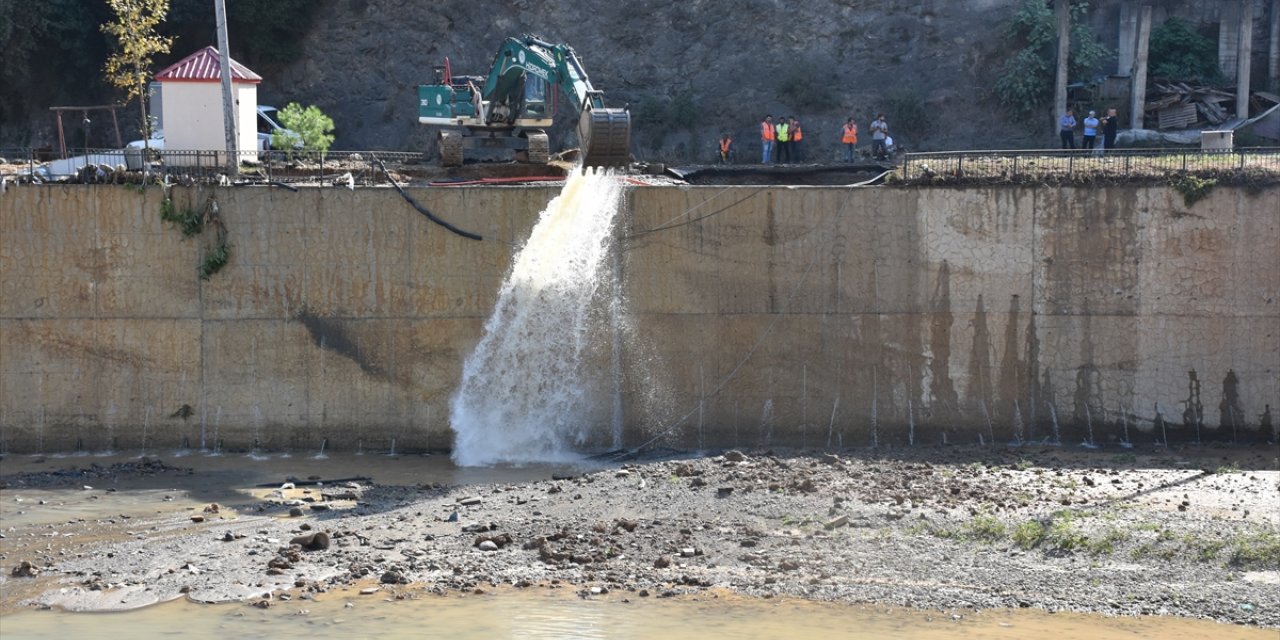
pixel 1029 534
pixel 1192 188
pixel 1256 551
pixel 1177 52
pixel 1063 534
pixel 311 124
pixel 215 260
pixel 1025 83
pixel 190 221
pixel 985 527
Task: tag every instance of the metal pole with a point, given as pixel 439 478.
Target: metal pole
pixel 228 100
pixel 1063 10
pixel 62 138
pixel 115 122
pixel 1243 59
pixel 1138 101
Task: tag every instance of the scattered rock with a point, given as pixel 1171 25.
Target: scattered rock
pixel 837 522
pixel 25 570
pixel 469 501
pixel 318 541
pixel 295 512
pixel 662 562
pixel 733 455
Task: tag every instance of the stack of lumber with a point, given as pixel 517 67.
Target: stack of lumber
pixel 1178 105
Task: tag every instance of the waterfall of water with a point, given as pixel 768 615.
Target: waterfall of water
pixel 531 390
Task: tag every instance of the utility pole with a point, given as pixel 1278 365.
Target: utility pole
pixel 1063 8
pixel 1273 53
pixel 1139 92
pixel 1243 59
pixel 228 99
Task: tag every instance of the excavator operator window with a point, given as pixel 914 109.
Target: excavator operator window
pixel 535 96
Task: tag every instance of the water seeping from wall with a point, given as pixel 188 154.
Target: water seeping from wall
pixel 530 392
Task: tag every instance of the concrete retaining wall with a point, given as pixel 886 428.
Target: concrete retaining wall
pixel 755 316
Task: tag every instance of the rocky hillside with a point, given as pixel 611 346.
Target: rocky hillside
pixel 822 61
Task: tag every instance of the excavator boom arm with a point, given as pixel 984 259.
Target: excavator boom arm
pixel 605 134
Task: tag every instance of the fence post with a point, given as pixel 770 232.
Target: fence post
pixel 1071 161
pixel 1184 161
pixel 1015 166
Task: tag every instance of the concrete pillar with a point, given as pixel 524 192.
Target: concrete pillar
pixel 1273 49
pixel 1063 10
pixel 1243 59
pixel 1128 33
pixel 1229 38
pixel 1139 92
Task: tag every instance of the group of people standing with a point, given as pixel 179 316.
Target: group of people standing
pixel 785 136
pixel 1108 125
pixel 781 141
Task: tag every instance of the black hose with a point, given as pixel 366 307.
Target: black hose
pixel 421 209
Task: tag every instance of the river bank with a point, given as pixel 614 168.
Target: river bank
pixel 1193 532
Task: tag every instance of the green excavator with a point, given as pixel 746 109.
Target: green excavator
pixel 515 104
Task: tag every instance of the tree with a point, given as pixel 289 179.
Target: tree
pixel 130 68
pixel 1025 84
pixel 310 124
pixel 1179 53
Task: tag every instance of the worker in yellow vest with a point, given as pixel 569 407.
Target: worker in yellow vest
pixel 726 149
pixel 783 132
pixel 849 138
pixel 797 135
pixel 767 136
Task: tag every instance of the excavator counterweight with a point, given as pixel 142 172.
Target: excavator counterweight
pixel 512 107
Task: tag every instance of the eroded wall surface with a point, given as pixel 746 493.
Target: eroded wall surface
pixel 755 316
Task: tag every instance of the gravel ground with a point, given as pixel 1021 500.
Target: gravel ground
pixel 1192 533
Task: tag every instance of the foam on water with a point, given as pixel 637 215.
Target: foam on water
pixel 532 390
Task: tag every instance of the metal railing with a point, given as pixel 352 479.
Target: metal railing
pixel 342 168
pixel 1070 164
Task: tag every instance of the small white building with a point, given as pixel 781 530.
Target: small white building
pixel 192 108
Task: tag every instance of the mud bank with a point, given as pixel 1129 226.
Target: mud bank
pixel 1192 532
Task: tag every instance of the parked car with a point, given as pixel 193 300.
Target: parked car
pixel 267 126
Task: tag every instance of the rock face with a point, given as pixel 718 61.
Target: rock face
pixel 821 61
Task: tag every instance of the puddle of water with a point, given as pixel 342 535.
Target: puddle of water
pixel 228 480
pixel 561 615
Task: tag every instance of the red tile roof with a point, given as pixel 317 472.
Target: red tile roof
pixel 204 66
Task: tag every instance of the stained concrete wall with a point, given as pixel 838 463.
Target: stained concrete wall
pixel 755 316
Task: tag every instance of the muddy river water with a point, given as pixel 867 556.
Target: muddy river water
pixel 503 612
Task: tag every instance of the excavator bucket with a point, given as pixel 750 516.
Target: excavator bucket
pixel 606 137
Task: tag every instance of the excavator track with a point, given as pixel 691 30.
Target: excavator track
pixel 450 149
pixel 539 148
pixel 606 137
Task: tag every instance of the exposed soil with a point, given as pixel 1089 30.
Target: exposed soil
pixel 1191 533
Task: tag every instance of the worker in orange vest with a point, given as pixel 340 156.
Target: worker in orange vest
pixel 726 149
pixel 797 134
pixel 767 137
pixel 849 138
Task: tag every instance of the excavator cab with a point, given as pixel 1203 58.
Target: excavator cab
pixel 516 102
